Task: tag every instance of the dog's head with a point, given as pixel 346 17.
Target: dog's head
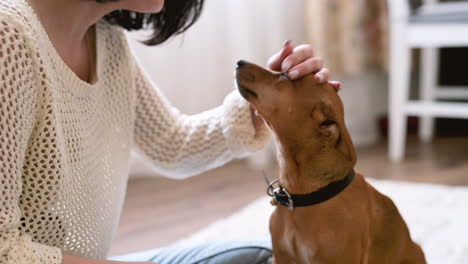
pixel 307 118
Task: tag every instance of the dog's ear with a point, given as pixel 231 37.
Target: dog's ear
pixel 329 128
pixel 327 124
pixel 332 128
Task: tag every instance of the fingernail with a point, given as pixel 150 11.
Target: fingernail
pixel 294 74
pixel 286 66
pixel 286 43
pixel 319 78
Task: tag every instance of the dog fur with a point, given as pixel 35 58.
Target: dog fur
pixel 359 225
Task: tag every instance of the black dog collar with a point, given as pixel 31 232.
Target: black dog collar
pixel 281 196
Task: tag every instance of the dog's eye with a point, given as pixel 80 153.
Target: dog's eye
pixel 328 122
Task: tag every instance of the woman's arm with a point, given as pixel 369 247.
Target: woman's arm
pixel 184 145
pixel 18 106
pixel 180 146
pixel 18 102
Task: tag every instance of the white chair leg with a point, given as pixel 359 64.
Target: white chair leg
pixel 399 87
pixel 428 81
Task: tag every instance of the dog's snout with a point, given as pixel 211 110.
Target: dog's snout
pixel 241 63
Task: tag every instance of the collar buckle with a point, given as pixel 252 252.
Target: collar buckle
pixel 278 193
pixel 289 203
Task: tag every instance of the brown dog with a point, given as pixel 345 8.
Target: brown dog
pixel 358 224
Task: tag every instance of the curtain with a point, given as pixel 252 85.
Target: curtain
pixel 351 35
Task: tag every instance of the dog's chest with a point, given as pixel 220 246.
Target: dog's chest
pixel 314 240
pixel 292 244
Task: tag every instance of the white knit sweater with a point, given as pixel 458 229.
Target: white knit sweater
pixel 65 143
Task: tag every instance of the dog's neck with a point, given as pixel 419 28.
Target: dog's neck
pixel 303 177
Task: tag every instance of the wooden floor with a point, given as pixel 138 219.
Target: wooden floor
pixel 158 211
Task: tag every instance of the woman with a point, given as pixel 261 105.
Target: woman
pixel 73 101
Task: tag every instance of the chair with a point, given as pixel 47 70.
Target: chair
pixel 429 27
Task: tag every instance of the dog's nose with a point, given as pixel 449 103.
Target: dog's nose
pixel 241 63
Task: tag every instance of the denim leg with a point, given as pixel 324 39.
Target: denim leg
pixel 222 252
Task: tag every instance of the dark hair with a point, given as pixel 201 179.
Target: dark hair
pixel 175 18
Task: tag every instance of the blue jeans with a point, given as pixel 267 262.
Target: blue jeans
pixel 223 252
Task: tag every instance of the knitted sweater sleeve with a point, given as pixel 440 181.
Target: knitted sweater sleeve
pixel 181 145
pixel 18 96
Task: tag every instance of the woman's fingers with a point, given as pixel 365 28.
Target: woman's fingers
pixel 300 61
pixel 300 54
pixel 323 75
pixel 336 85
pixel 310 65
pixel 274 63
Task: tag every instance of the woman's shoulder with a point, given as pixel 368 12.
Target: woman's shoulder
pixel 15 11
pixel 112 33
pixel 16 16
pixel 114 38
pixel 17 42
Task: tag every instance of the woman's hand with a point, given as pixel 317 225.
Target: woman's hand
pixel 299 61
pixel 296 62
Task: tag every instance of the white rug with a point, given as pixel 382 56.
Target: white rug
pixel 437 217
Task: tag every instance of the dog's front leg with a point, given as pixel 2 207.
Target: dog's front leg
pixel 277 259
